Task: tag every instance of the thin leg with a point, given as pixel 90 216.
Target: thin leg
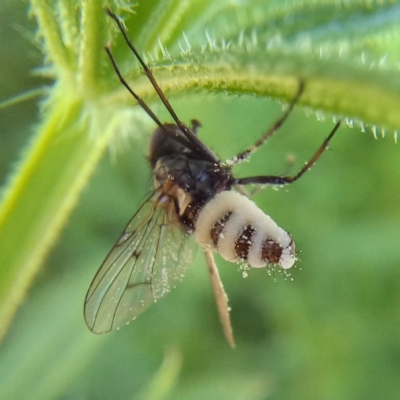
pixel 220 298
pixel 125 83
pixel 243 155
pixel 142 104
pixel 199 146
pixel 285 180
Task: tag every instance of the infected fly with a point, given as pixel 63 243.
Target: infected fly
pixel 192 195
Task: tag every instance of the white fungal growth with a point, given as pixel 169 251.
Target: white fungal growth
pixel 235 227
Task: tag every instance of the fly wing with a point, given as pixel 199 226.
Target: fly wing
pixel 148 260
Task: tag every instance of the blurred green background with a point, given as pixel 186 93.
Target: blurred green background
pixel 331 333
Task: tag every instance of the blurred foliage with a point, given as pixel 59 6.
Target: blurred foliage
pixel 333 332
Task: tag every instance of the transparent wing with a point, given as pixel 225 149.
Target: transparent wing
pixel 148 260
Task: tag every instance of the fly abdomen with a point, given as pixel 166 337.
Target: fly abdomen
pixel 235 227
pixel 244 242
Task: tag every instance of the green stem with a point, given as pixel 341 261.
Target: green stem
pixel 40 196
pixel 51 34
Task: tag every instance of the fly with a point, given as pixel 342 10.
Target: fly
pixel 192 195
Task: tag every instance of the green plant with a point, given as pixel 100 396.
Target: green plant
pixel 346 52
pixel 333 332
